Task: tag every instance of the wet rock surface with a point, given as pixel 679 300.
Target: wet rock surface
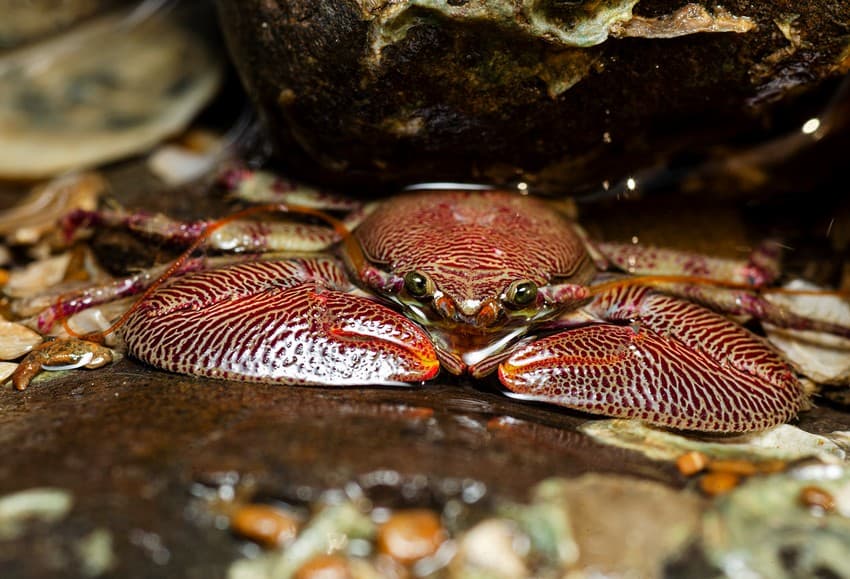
pixel 128 444
pixel 131 446
pixel 561 95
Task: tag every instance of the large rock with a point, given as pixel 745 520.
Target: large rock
pixel 560 94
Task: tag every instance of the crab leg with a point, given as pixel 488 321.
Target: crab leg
pixel 43 311
pixel 745 303
pixel 265 187
pixel 286 322
pixel 761 268
pixel 662 360
pixel 237 236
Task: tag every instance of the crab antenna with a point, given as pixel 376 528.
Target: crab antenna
pixel 351 246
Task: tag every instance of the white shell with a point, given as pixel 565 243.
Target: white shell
pixel 16 340
pixel 822 357
pixel 784 442
pixel 37 276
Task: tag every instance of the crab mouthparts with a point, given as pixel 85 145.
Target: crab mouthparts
pixel 469 313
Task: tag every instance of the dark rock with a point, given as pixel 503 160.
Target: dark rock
pixel 368 92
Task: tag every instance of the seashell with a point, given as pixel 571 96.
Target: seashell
pixel 37 276
pixel 40 211
pixel 822 357
pixel 6 370
pixel 69 102
pixel 16 340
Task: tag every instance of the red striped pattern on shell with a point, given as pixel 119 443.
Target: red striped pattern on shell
pixel 685 367
pixel 277 321
pixel 473 244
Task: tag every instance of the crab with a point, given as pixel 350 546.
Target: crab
pixel 472 283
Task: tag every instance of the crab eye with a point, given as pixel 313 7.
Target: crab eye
pixel 418 285
pixel 521 293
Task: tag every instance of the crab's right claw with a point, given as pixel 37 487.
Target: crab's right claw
pixel 257 322
pixel 636 373
pixel 60 354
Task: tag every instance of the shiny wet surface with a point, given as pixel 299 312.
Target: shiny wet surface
pixel 133 445
pixel 129 444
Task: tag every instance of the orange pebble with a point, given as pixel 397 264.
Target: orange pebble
pixel 718 483
pixel 325 567
pixel 411 535
pixel 816 497
pixel 691 463
pixel 772 466
pixel 739 467
pixel 264 524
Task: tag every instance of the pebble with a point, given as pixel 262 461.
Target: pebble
pixel 719 483
pixel 264 524
pixel 816 497
pixel 489 549
pixel 325 567
pixel 691 463
pixel 37 276
pixel 410 535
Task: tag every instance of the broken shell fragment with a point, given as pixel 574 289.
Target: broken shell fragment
pixel 16 340
pixel 24 22
pixel 6 370
pixel 490 549
pixel 769 450
pixel 264 524
pixel 824 358
pixel 46 505
pixel 37 276
pixel 39 212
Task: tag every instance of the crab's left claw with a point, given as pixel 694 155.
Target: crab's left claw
pixel 637 373
pixel 275 322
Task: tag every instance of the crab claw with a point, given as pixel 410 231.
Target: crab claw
pixel 248 322
pixel 635 373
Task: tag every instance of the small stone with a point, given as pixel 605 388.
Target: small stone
pixel 411 535
pixel 44 504
pixel 737 467
pixel 264 524
pixel 719 483
pixel 490 549
pixel 771 466
pixel 818 498
pixel 325 567
pixel 691 463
